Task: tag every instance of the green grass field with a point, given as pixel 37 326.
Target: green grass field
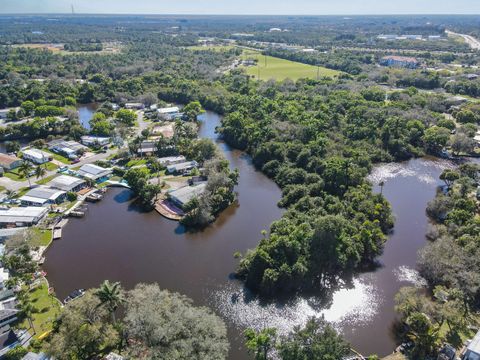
pixel 46 179
pixel 219 48
pixel 280 69
pixel 40 237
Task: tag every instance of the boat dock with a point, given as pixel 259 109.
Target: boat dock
pixel 57 229
pixel 168 210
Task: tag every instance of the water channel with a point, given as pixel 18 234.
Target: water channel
pixel 118 242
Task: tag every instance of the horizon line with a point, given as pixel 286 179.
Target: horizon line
pixel 227 14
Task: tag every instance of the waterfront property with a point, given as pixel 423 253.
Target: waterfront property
pixel 134 106
pixel 169 113
pixel 36 156
pixel 8 340
pixel 94 140
pixel 183 195
pixel 171 160
pixel 94 172
pixel 42 196
pixel 70 149
pixel 400 61
pixel 67 183
pixel 9 162
pixel 181 167
pixel 21 216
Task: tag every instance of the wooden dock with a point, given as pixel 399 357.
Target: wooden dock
pixel 164 208
pixel 57 229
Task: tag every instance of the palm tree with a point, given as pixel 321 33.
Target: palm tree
pixel 24 170
pixel 381 184
pixel 10 193
pixel 111 295
pixel 40 172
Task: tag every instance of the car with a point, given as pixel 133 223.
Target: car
pixel 75 161
pixel 62 169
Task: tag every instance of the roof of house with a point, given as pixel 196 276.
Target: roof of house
pixel 187 193
pixel 42 194
pixel 22 214
pixel 400 58
pixel 182 166
pixel 36 153
pixel 7 159
pixel 475 343
pixel 65 182
pixel 169 110
pixel 88 138
pixel 92 171
pixel 8 339
pixel 171 159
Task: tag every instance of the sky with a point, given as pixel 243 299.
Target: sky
pixel 243 7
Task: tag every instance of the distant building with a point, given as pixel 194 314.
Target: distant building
pixel 9 162
pixel 181 168
pixel 471 76
pixel 275 30
pixel 183 195
pixel 134 106
pixel 43 196
pixel 94 172
pixel 67 183
pixel 171 160
pixel 400 61
pixel 36 156
pixel 169 113
pixel 94 140
pixel 21 216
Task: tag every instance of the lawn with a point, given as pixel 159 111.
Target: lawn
pixel 47 179
pixel 59 157
pixel 40 237
pixel 46 310
pixel 280 69
pixel 14 176
pixel 136 162
pixel 50 166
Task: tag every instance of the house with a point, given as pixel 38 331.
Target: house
pixel 36 156
pixel 94 140
pixel 7 316
pixel 181 167
pixel 183 195
pixel 67 183
pixel 169 113
pixel 3 113
pixel 472 351
pixel 34 356
pixel 9 162
pixel 471 76
pixel 4 276
pixel 94 172
pixel 70 149
pixel 134 106
pixel 42 196
pixel 171 160
pixel 147 147
pixel 400 61
pixel 8 340
pixel 21 216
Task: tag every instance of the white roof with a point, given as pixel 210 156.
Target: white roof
pixel 88 138
pixel 187 193
pixel 65 182
pixel 4 275
pixel 37 154
pixel 474 345
pixel 42 194
pixel 92 171
pixel 182 166
pixel 169 110
pixel 22 214
pixel 171 159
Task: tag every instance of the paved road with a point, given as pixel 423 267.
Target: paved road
pixel 470 40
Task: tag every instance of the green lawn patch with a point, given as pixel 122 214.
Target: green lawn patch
pixel 280 69
pixel 59 157
pixel 40 237
pixel 22 191
pixel 136 162
pixel 46 310
pixel 13 176
pixel 50 166
pixel 46 179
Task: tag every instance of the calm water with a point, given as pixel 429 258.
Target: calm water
pixel 85 113
pixel 115 241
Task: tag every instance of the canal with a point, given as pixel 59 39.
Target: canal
pixel 118 242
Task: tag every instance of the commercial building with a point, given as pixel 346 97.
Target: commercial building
pixel 42 196
pixel 67 183
pixel 9 162
pixel 21 216
pixel 400 61
pixel 181 167
pixel 183 195
pixel 36 156
pixel 94 140
pixel 94 172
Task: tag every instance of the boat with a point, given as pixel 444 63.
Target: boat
pixel 75 294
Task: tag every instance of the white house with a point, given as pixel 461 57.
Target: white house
pixel 183 195
pixel 67 183
pixel 171 160
pixel 94 140
pixel 135 106
pixel 36 156
pixel 181 167
pixel 94 172
pixel 22 216
pixel 169 113
pixel 42 196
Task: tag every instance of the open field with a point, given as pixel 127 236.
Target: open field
pixel 108 48
pixel 280 69
pixel 210 47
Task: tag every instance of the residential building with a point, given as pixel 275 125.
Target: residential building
pixel 3 113
pixel 183 195
pixel 67 183
pixel 4 276
pixel 34 356
pixel 472 351
pixel 169 113
pixel 94 172
pixel 7 316
pixel 134 106
pixel 147 147
pixel 94 140
pixel 181 167
pixel 8 340
pixel 171 160
pixel 400 61
pixel 42 196
pixel 21 216
pixel 36 156
pixel 9 162
pixel 471 76
pixel 70 149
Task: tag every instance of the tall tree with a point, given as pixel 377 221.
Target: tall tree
pixel 111 296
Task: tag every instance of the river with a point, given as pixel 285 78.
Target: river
pixel 85 113
pixel 118 242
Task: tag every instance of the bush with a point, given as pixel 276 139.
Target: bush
pixel 71 196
